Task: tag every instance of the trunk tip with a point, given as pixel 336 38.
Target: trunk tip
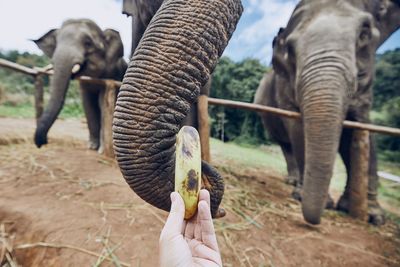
pixel 40 139
pixel 311 216
pixel 220 213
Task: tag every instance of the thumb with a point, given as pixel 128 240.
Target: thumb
pixel 175 220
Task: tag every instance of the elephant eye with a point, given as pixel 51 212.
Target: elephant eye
pixel 87 43
pixel 365 35
pixel 291 51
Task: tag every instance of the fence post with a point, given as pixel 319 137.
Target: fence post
pixel 107 111
pixel 359 162
pixel 204 127
pixel 39 95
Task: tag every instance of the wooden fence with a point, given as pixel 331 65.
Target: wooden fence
pixel 107 106
pixel 359 149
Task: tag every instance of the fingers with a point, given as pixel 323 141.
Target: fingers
pixel 199 250
pixel 192 231
pixel 206 225
pixel 175 221
pixel 204 195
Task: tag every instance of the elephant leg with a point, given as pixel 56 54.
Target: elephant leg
pixel 292 169
pixel 296 137
pixel 92 113
pixel 344 150
pixel 375 212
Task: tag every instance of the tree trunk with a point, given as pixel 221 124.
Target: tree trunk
pixel 107 107
pixel 358 186
pixel 204 127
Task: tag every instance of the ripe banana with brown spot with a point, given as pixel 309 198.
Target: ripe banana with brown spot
pixel 188 168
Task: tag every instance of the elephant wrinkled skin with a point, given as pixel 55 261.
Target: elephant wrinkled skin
pixel 323 67
pixel 79 47
pixel 142 11
pixel 174 59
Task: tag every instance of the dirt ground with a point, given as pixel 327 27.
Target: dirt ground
pixel 64 205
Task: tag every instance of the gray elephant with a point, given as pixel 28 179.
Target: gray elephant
pixel 79 48
pixel 173 60
pixel 142 11
pixel 323 67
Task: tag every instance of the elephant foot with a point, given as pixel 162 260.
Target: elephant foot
pixel 94 144
pixel 296 194
pixel 343 204
pixel 291 180
pixel 376 215
pixel 330 204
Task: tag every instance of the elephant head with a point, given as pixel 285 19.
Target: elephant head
pixel 141 11
pixel 326 54
pixel 78 48
pixel 174 59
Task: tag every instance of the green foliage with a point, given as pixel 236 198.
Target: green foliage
pixel 25 110
pixel 387 102
pixel 15 82
pixel 236 81
pixel 387 80
pixel 17 89
pixel 389 145
pixel 27 59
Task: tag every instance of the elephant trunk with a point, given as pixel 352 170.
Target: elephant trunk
pixel 63 63
pixel 174 59
pixel 323 108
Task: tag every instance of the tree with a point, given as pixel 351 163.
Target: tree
pixel 387 102
pixel 236 81
pixel 387 81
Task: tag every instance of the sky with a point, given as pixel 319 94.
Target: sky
pixel 22 20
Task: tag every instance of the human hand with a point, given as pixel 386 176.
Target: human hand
pixel 189 243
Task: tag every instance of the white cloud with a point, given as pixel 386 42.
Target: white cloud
pixel 259 24
pixel 21 20
pixel 273 15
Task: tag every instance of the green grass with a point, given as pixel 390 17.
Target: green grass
pixel 28 111
pixel 268 157
pixel 20 111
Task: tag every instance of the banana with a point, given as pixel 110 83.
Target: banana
pixel 188 168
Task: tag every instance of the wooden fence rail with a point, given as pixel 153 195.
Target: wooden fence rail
pixel 107 106
pixel 296 115
pixel 360 143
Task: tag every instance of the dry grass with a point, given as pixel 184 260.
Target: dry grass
pixel 7 258
pixel 249 210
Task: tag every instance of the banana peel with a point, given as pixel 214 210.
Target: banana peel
pixel 188 168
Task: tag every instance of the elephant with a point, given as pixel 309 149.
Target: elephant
pixel 174 59
pixel 79 48
pixel 323 67
pixel 142 11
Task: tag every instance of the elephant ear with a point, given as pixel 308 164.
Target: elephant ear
pixel 115 48
pixel 280 55
pixel 48 42
pixel 114 53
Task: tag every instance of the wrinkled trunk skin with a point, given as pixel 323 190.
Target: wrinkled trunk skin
pixel 323 109
pixel 63 63
pixel 175 58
